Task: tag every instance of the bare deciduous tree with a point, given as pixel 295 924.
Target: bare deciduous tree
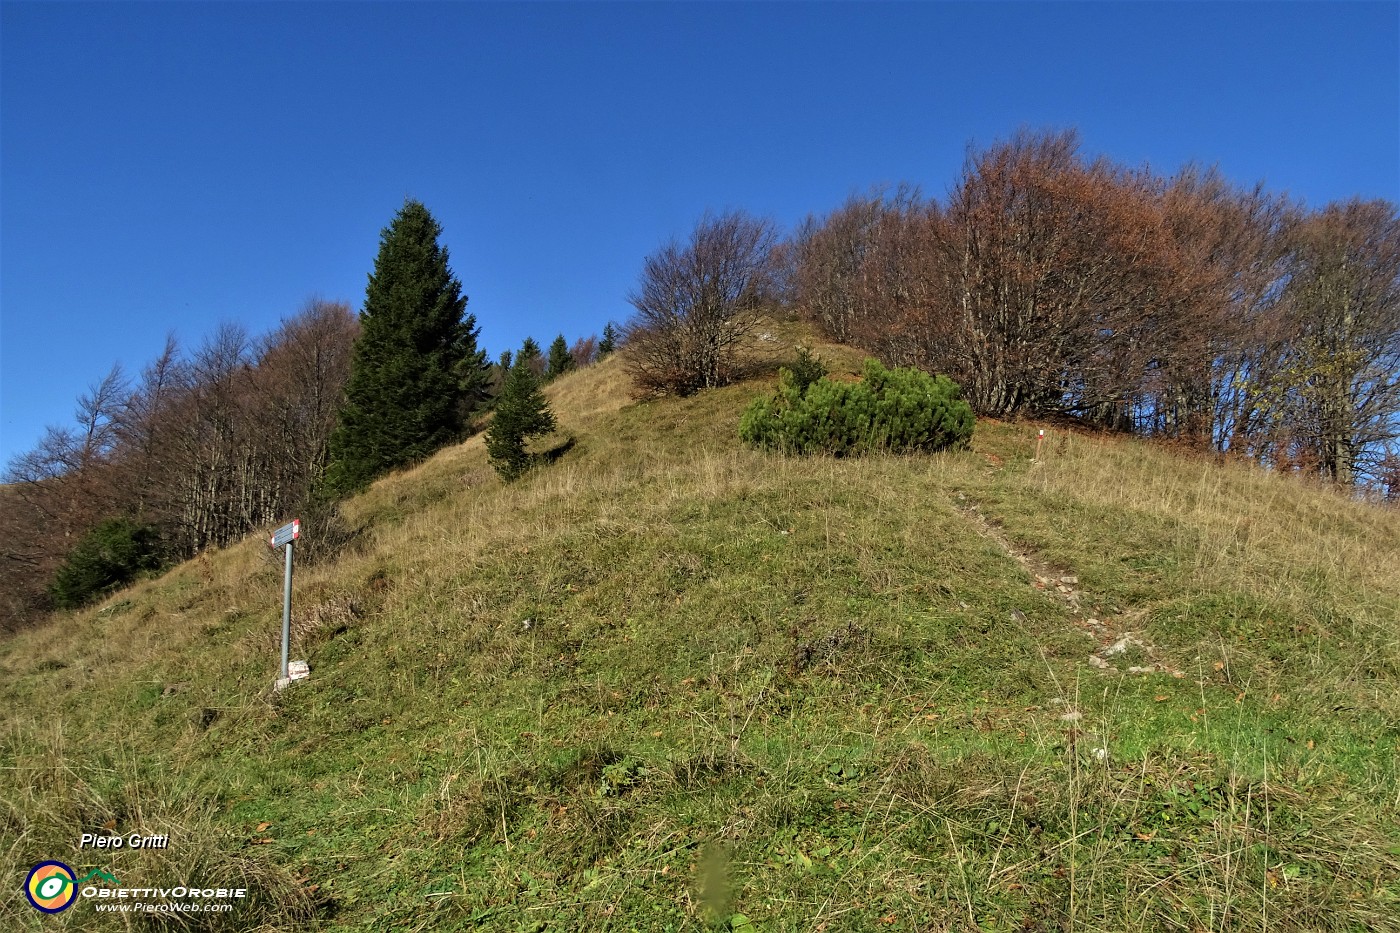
pixel 301 374
pixel 1231 264
pixel 206 449
pixel 1341 378
pixel 695 304
pixel 829 258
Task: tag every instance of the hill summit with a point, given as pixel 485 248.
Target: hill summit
pixel 670 682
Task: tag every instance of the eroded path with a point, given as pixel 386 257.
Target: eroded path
pixel 1119 642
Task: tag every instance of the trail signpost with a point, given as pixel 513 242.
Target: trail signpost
pixel 284 536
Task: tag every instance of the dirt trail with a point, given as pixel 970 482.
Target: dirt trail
pixel 1112 631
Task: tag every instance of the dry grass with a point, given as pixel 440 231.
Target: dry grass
pixel 1256 527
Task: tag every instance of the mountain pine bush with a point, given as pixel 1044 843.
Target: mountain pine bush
pixel 895 410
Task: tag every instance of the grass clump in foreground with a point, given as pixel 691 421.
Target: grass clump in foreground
pixel 671 682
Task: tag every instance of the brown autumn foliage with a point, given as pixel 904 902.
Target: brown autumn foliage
pixel 584 351
pixel 205 448
pixel 1050 283
pixel 1062 286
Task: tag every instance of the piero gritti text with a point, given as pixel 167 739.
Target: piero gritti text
pixel 132 841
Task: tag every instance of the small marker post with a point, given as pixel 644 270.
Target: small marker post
pixel 1038 441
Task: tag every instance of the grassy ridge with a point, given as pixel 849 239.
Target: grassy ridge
pixel 672 683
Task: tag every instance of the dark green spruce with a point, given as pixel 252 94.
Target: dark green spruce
pixel 111 555
pixel 417 374
pixel 609 342
pixel 560 359
pixel 521 413
pixel 530 352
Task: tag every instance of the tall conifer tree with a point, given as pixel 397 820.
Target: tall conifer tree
pixel 560 360
pixel 530 352
pixel 609 341
pixel 417 372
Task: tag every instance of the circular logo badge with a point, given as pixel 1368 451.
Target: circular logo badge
pixel 50 887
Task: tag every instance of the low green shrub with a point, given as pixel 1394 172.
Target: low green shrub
pixel 896 410
pixel 111 555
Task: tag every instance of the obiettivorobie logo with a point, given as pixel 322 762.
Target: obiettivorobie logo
pixel 51 887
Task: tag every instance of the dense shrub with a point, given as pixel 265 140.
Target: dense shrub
pixel 112 554
pixel 895 410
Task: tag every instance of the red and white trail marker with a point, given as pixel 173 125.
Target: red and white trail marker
pixel 287 533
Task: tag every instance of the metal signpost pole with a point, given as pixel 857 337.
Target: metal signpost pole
pixel 287 610
pixel 283 537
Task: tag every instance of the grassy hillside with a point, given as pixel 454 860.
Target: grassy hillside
pixel 670 683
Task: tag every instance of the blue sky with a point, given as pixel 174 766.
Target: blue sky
pixel 171 166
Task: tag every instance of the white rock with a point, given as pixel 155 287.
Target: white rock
pixel 1121 646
